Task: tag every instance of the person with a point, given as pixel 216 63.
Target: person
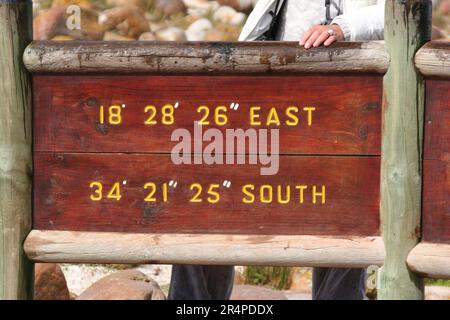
pixel 313 23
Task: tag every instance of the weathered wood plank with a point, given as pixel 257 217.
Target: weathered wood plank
pixel 431 260
pixel 436 201
pixel 433 59
pixel 437 120
pixel 407 28
pixel 346 117
pixel 97 247
pixel 16 276
pixel 65 200
pixel 436 172
pixel 211 58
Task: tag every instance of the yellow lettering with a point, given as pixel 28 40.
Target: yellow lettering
pixel 273 118
pixel 254 116
pixel 246 189
pixel 293 118
pixel 315 194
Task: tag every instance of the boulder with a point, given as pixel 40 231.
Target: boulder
pixel 224 14
pixel 129 21
pixel 197 30
pixel 170 34
pixel 141 4
pixel 169 7
pixel 124 285
pixel 147 36
pixel 86 4
pixel 53 22
pixel 437 293
pixel 247 292
pixel 444 7
pixel 50 283
pixel 240 5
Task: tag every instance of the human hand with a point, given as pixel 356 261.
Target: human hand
pixel 322 34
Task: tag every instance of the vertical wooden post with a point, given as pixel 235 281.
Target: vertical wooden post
pixel 407 28
pixel 16 272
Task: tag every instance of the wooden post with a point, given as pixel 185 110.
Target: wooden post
pixel 407 28
pixel 16 272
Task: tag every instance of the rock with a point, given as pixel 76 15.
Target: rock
pixel 50 283
pixel 201 8
pixel 62 38
pixel 224 14
pixel 437 293
pixel 129 21
pixel 215 35
pixel 171 34
pixel 124 285
pixel 48 22
pixel 301 280
pixel 444 7
pixel 86 4
pixel 53 21
pixel 240 5
pixel 112 36
pixel 169 7
pixel 437 33
pixel 247 292
pixel 147 36
pixel 141 4
pixel 197 30
pixel 238 19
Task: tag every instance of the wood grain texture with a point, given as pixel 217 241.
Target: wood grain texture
pixel 16 272
pixel 62 196
pixel 436 172
pixel 346 120
pixel 98 247
pixel 433 59
pixel 437 120
pixel 203 57
pixel 430 260
pixel 407 28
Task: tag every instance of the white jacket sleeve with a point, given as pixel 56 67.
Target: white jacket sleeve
pixel 365 23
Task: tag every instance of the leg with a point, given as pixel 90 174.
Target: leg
pixel 195 282
pixel 338 284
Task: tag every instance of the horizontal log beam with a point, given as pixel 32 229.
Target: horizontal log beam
pixel 96 247
pixel 207 57
pixel 433 59
pixel 431 260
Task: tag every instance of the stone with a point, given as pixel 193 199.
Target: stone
pixel 62 38
pixel 86 4
pixel 50 283
pixel 224 14
pixel 170 34
pixel 112 36
pixel 53 22
pixel 240 5
pixel 124 285
pixel 129 21
pixel 48 22
pixel 147 36
pixel 141 4
pixel 444 7
pixel 170 7
pixel 248 292
pixel 437 293
pixel 197 30
pixel 238 19
pixel 437 33
pixel 215 35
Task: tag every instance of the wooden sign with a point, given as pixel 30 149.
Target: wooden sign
pixel 103 154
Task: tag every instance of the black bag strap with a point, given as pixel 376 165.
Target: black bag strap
pixel 271 33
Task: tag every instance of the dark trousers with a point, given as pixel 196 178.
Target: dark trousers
pixel 195 282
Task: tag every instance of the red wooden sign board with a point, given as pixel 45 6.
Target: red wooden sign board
pixel 102 154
